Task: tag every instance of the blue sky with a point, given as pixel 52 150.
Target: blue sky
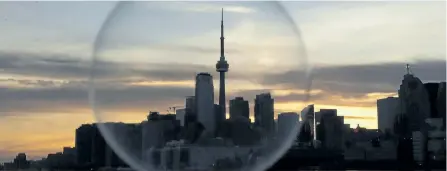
pixel 153 49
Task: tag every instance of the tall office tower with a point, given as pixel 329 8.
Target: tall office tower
pixel 204 95
pixel 155 133
pixel 287 122
pixel 239 107
pixel 414 104
pixel 436 96
pixel 222 67
pixel 180 115
pixel 317 118
pixel 307 116
pixel 319 114
pixel 413 109
pixel 441 103
pixel 83 144
pixel 264 112
pixel 190 110
pixel 99 147
pixel 386 112
pixel 130 140
pixel 432 91
pixel 332 132
pixel 190 104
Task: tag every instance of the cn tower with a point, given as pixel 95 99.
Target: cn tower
pixel 222 67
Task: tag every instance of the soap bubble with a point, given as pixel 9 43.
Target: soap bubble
pixel 149 56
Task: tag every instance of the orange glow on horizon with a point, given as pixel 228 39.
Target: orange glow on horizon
pixel 46 135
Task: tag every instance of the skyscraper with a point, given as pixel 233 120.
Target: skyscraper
pixel 413 109
pixel 332 127
pixel 83 143
pixel 99 146
pixel 386 112
pixel 222 67
pixel 441 102
pixel 190 110
pixel 190 104
pixel 436 95
pixel 239 107
pixel 180 115
pixel 307 116
pixel 204 95
pixel 287 122
pixel 414 103
pixel 264 112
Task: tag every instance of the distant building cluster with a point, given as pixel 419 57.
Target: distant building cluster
pixel 198 136
pixel 416 119
pixel 19 162
pixel 411 127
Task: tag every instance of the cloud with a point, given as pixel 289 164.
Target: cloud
pixel 359 80
pixel 227 8
pixel 371 32
pixel 71 98
pixel 280 96
pixel 213 7
pixel 66 67
pixel 32 83
pixel 360 117
pixel 52 82
pixel 58 83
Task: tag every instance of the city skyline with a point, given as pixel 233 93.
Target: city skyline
pixel 47 79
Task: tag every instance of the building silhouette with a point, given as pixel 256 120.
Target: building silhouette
pixel 204 95
pixel 264 113
pixel 386 111
pixel 222 67
pixel 332 131
pixel 84 144
pixel 287 124
pixel 413 103
pixel 99 147
pixel 21 162
pixel 441 103
pixel 436 96
pixel 239 107
pixel 410 121
pixel 308 123
pixel 190 110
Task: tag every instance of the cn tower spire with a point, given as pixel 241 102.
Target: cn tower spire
pixel 222 67
pixel 222 44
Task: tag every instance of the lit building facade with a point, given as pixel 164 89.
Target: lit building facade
pixel 204 95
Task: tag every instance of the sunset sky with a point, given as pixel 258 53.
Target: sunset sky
pixel 149 53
